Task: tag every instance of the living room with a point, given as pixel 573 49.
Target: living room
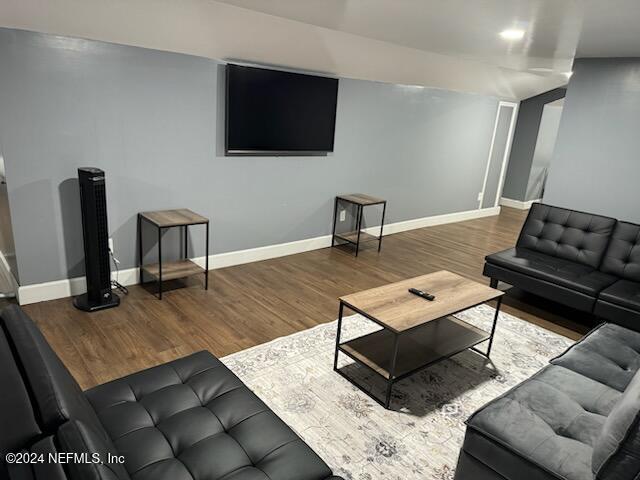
pixel 295 240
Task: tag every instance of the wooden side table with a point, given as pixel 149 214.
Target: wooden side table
pixel 360 200
pixel 163 219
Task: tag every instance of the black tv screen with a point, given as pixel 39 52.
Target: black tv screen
pixel 271 112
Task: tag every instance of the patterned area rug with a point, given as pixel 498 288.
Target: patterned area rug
pixel 421 436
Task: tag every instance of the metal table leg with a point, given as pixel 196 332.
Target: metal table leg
pixel 159 263
pixel 392 371
pixel 359 226
pixel 335 218
pixel 493 327
pixel 186 242
pixel 335 359
pixel 140 248
pixel 206 261
pixel 384 209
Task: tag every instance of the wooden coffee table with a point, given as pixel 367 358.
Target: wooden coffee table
pixel 416 333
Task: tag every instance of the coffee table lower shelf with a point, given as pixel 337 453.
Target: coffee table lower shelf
pixel 431 343
pixel 395 357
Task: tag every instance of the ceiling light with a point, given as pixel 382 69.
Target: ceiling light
pixel 512 34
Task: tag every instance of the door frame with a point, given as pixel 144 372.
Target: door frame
pixel 505 157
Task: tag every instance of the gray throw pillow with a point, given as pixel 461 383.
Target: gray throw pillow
pixel 616 452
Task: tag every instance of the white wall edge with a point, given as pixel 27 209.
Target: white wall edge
pixel 509 202
pixel 41 292
pixel 8 274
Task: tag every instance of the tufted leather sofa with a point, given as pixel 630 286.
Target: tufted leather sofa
pixel 588 262
pixel 576 419
pixel 189 419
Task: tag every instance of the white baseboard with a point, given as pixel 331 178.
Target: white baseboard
pixel 41 292
pixel 239 257
pixel 433 221
pixel 509 202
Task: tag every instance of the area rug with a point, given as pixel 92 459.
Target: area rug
pixel 421 436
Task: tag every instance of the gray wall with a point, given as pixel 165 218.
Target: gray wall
pixel 596 163
pixel 545 144
pixel 153 121
pixel 524 143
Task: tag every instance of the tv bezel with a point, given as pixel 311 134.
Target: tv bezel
pixel 271 153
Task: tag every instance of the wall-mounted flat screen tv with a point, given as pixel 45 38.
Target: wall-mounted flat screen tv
pixel 271 112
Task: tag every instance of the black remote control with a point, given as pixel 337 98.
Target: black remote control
pixel 420 293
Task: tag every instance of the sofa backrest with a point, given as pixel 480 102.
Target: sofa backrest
pixel 18 425
pixel 567 234
pixel 56 396
pixel 615 451
pixel 622 257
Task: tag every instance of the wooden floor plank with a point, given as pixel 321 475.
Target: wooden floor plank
pixel 250 304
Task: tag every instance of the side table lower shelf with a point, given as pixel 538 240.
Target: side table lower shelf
pixel 352 237
pixel 173 270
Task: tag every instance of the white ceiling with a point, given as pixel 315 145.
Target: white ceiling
pixel 450 44
pixel 556 30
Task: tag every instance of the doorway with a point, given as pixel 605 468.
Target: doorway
pixel 545 145
pixel 498 155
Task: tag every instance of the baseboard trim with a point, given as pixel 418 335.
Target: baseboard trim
pixel 434 220
pixel 41 292
pixel 520 205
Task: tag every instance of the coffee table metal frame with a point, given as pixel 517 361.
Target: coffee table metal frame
pixel 392 378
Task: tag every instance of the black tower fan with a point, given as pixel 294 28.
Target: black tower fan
pixel 93 202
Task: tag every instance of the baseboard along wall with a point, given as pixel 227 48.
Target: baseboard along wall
pixel 41 292
pixel 520 205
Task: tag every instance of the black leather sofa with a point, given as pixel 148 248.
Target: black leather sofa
pixel 576 419
pixel 188 419
pixel 588 262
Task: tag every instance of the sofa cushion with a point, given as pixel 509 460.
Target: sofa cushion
pixel 618 314
pixel 575 236
pixel 194 419
pixel 482 458
pixel 77 438
pixel 551 420
pixel 622 257
pixel 616 453
pixel 552 291
pixel 57 396
pixel 559 271
pixel 624 292
pixel 609 354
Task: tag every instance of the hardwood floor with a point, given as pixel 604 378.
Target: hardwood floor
pixel 251 304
